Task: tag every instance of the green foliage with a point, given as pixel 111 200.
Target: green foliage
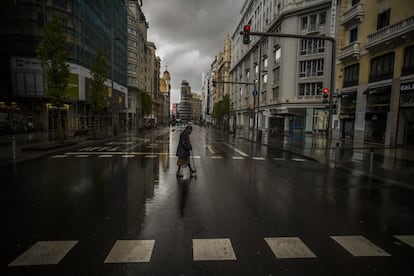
pixel 222 108
pixel 146 102
pixel 99 72
pixel 52 54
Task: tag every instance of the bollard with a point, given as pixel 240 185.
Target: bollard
pixel 371 161
pixel 336 154
pixel 14 147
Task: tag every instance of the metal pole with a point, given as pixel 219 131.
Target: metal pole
pixel 258 85
pixel 13 148
pixel 332 89
pixel 371 161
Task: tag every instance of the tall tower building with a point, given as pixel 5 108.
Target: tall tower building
pixel 185 111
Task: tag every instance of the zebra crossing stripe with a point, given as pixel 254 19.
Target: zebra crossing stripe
pixel 359 246
pixel 298 160
pixel 238 157
pixel 258 158
pixel 131 251
pixel 105 155
pixel 216 157
pixel 213 250
pixel 44 253
pixel 278 159
pixel 289 248
pixel 128 156
pixel 151 156
pixel 406 239
pixel 82 155
pixel 59 156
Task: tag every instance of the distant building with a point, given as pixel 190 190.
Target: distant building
pixel 196 104
pixel 185 110
pixel 165 89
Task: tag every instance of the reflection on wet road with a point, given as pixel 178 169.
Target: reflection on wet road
pixel 117 208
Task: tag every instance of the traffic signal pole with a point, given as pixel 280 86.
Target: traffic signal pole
pixel 332 88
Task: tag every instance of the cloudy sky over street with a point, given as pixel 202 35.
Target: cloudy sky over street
pixel 188 35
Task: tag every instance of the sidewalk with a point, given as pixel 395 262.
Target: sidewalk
pixel 395 164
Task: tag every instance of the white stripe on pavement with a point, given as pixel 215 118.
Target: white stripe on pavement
pixel 237 150
pixel 408 239
pixel 44 253
pixel 213 250
pixel 359 246
pixel 131 251
pixel 289 248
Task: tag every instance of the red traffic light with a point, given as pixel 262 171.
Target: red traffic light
pixel 246 28
pixel 325 90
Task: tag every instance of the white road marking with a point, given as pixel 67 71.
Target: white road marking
pixel 359 246
pixel 213 250
pixel 114 149
pixel 238 157
pixel 298 160
pixel 258 158
pixel 44 253
pixel 216 157
pixel 210 149
pixel 131 251
pixel 105 155
pixel 128 156
pixel 237 150
pixel 406 239
pixel 59 156
pixel 82 155
pixel 289 247
pixel 151 156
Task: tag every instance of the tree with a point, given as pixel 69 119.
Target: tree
pixel 52 54
pixel 99 73
pixel 222 109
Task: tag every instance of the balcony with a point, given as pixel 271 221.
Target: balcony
pixel 390 34
pixel 350 51
pixel 354 15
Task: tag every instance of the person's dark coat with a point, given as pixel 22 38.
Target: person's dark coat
pixel 184 146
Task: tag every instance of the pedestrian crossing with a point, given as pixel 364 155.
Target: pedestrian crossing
pixel 212 249
pixel 149 155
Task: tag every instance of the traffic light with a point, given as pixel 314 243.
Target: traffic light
pixel 246 34
pixel 334 108
pixel 325 95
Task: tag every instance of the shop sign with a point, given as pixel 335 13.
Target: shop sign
pixel 407 87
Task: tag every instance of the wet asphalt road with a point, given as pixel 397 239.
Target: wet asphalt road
pixel 126 190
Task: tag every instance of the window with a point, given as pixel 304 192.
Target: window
pixel 304 23
pixel 408 66
pixel 351 75
pixel 322 18
pixel 256 69
pixel 247 75
pixel 275 93
pixel 277 55
pixel 265 79
pixel 353 35
pixel 382 67
pixel 276 76
pixel 311 68
pixel 383 19
pixel 265 63
pixel 311 46
pixel 312 22
pixel 310 89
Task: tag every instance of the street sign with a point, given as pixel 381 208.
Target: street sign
pixel 254 92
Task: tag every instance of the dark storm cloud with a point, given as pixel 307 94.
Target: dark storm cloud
pixel 189 34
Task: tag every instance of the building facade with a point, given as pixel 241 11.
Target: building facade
pixel 137 39
pixel 375 74
pixel 88 26
pixel 185 109
pixel 286 76
pixel 196 105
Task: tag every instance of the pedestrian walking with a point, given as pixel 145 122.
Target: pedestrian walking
pixel 184 151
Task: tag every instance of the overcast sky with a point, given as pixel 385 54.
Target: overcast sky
pixel 188 35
